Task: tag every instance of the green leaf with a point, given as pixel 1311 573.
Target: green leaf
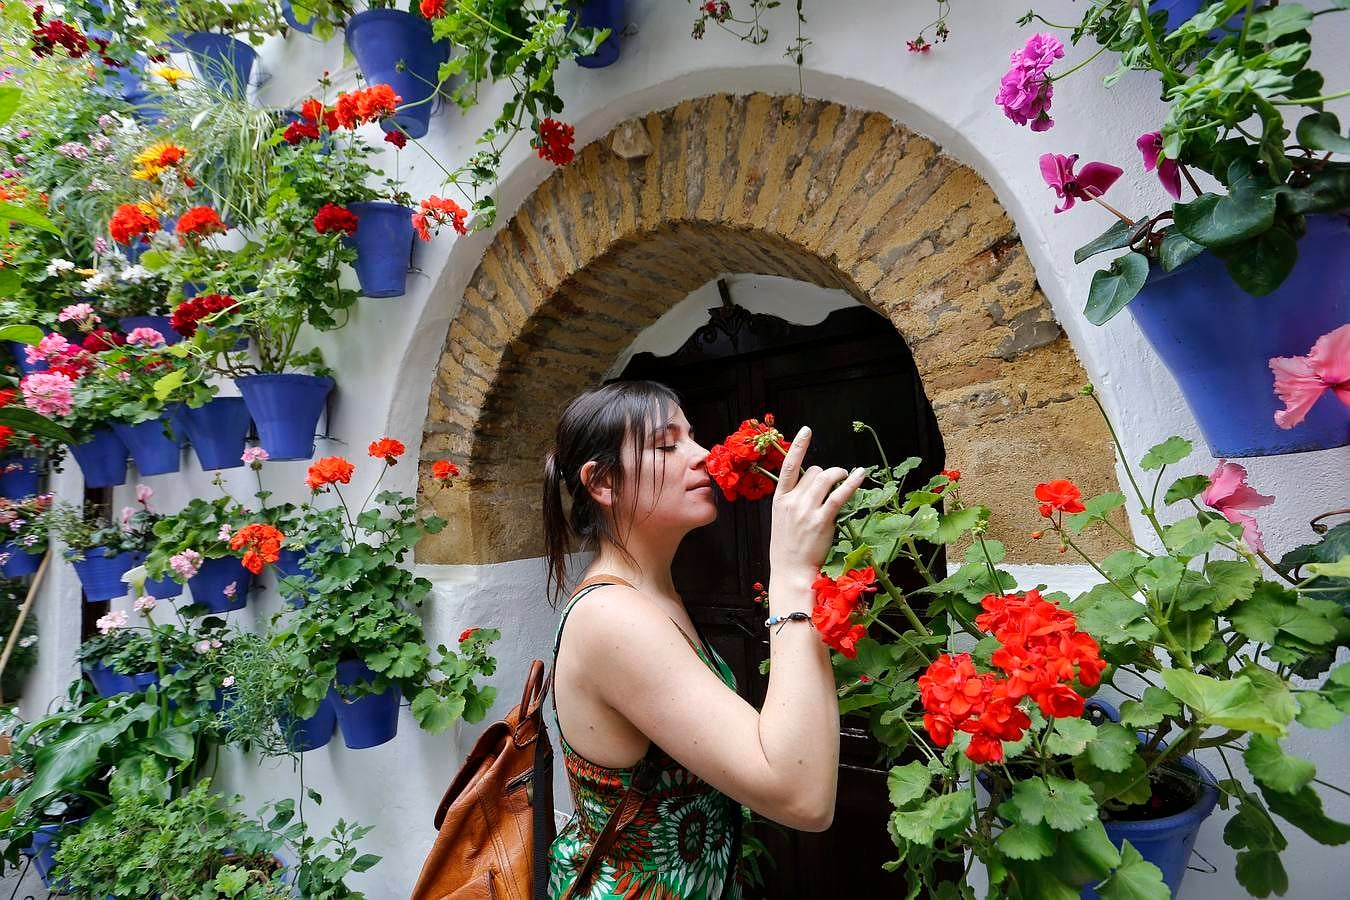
pixel 1247 210
pixel 1261 264
pixel 11 212
pixel 1261 873
pixel 434 712
pixel 175 743
pixel 1086 856
pixel 1070 736
pixel 1277 21
pixel 1113 748
pixel 954 524
pixel 1272 611
pixel 1316 711
pixel 9 102
pixel 1322 131
pixel 1168 453
pixel 1022 841
pixel 1185 488
pixel 1303 809
pixel 1120 565
pixel 1113 238
pixel 1115 286
pixel 1062 804
pixel 1111 617
pixel 1233 580
pixel 1273 768
pixel 26 421
pixel 23 334
pixel 1134 879
pixel 1177 250
pixel 908 783
pixel 943 813
pixel 1155 705
pixel 1094 508
pixel 1340 569
pixel 167 384
pixel 1232 703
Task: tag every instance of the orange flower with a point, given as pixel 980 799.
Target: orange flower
pixel 263 542
pixel 444 470
pixel 329 470
pixel 312 110
pixel 386 449
pixel 132 220
pixel 197 223
pixel 1060 495
pixel 377 102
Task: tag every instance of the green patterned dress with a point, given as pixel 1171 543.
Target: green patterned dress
pixel 682 842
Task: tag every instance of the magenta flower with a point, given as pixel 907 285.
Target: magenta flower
pixel 145 337
pixel 1229 493
pixel 79 313
pixel 1026 88
pixel 1169 173
pixel 48 393
pixel 51 345
pixel 1094 181
pixel 1300 381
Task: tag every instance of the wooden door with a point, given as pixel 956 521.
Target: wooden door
pixel 852 366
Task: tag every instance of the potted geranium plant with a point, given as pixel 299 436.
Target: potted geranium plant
pixel 1265 252
pixel 1202 643
pixel 192 547
pixel 396 48
pixel 25 533
pixel 102 551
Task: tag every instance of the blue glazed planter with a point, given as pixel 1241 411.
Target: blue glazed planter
pixel 221 61
pixel 611 14
pixel 109 682
pixel 309 734
pixel 159 323
pixel 217 431
pixel 396 48
pixel 154 452
pixel 144 680
pixel 102 459
pixel 1217 341
pixel 288 13
pixel 19 478
pixel 383 244
pixel 43 851
pixel 289 568
pixel 101 576
pixel 366 721
pixel 18 561
pixel 208 585
pixel 286 410
pixel 163 588
pixel 1179 11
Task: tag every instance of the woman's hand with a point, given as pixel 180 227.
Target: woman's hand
pixel 805 505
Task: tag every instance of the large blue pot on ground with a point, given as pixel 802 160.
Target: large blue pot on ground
pixel 383 243
pixel 1217 341
pixel 221 61
pixel 101 575
pixel 365 721
pixel 159 323
pixel 18 562
pixel 311 733
pixel 102 459
pixel 286 409
pixel 155 449
pixel 18 477
pixel 396 48
pixel 611 14
pixel 107 681
pixel 209 586
pixel 217 431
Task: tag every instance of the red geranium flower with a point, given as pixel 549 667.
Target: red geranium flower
pixel 397 138
pixel 386 449
pixel 332 217
pixel 1060 495
pixel 300 131
pixel 836 602
pixel 197 223
pixel 311 110
pixel 466 634
pixel 190 312
pixel 554 141
pixel 740 464
pixel 130 221
pixel 439 211
pixel 101 339
pixel 444 470
pixel 431 9
pixel 329 470
pixel 263 542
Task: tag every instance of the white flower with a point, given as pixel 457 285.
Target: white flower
pixel 228 682
pixel 112 621
pixel 144 604
pixel 202 646
pixel 135 274
pixel 224 533
pixel 57 266
pixel 28 641
pixel 96 282
pixel 135 577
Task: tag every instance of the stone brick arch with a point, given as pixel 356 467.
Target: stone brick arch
pixel 758 184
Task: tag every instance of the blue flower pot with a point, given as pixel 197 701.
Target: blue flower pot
pixel 208 585
pixel 288 14
pixel 163 588
pixel 286 409
pixel 611 14
pixel 159 323
pixel 101 575
pixel 383 244
pixel 43 851
pixel 366 721
pixel 217 430
pixel 154 452
pixel 108 681
pixel 1180 11
pixel 102 459
pixel 394 47
pixel 21 359
pixel 1217 341
pixel 221 61
pixel 289 567
pixel 144 680
pixel 312 733
pixel 18 561
pixel 19 478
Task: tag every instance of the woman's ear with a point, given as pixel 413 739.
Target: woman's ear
pixel 599 487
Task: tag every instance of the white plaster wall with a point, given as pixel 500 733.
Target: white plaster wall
pixel 386 358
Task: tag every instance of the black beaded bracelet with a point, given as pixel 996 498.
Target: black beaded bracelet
pixel 780 621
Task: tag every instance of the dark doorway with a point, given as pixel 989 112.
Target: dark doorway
pixel 852 366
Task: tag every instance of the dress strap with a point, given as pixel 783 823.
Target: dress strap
pixel 582 590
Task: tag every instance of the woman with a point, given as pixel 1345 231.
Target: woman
pixel 632 675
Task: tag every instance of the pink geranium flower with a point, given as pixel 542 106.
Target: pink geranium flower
pixel 145 337
pixel 51 345
pixel 1229 493
pixel 1094 180
pixel 1300 381
pixel 1169 173
pixel 1026 88
pixel 79 313
pixel 48 393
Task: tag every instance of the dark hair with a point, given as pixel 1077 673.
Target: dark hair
pixel 595 426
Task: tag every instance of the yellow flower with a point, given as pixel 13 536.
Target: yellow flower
pixel 156 158
pixel 171 74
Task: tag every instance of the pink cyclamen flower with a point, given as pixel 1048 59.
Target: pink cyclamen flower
pixel 1229 493
pixel 127 513
pixel 51 345
pixel 112 621
pixel 1026 88
pixel 216 644
pixel 79 313
pixel 143 494
pixel 144 604
pixel 48 393
pixel 202 646
pixel 254 456
pixel 1169 173
pixel 185 564
pixel 145 337
pixel 230 589
pixel 1094 181
pixel 228 681
pixel 1300 381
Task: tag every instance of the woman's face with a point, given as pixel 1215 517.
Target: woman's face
pixel 675 491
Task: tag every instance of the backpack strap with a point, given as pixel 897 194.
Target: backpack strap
pixel 641 783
